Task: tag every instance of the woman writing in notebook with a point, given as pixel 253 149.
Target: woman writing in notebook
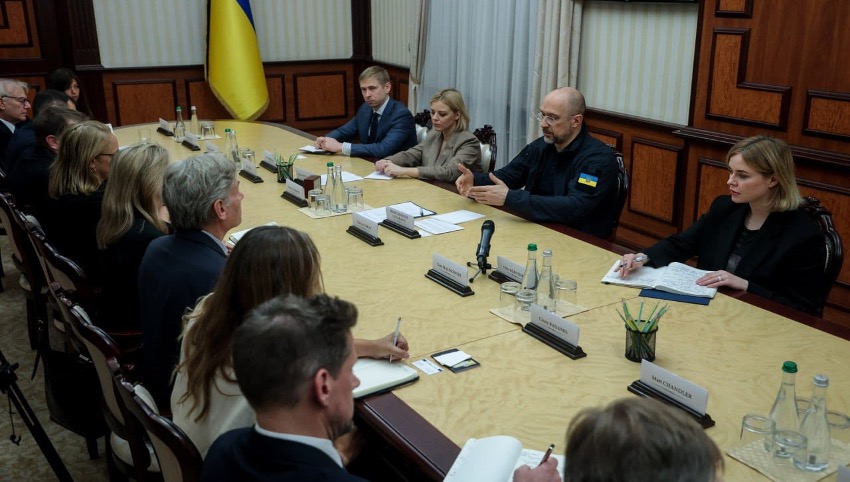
pixel 448 144
pixel 757 238
pixel 268 261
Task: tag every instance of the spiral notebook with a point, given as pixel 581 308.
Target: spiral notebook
pixel 494 459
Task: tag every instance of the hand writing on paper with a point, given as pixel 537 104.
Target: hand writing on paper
pixel 491 195
pixel 383 347
pixel 716 279
pixel 631 262
pixel 545 472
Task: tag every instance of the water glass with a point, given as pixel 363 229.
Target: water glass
pixel 207 130
pixel 311 198
pixel 566 295
pixel 507 295
pixel 758 428
pixel 839 426
pixel 247 154
pixel 145 135
pixel 323 204
pixel 522 305
pixel 787 444
pixel 355 198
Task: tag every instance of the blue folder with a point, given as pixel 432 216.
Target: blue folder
pixel 664 295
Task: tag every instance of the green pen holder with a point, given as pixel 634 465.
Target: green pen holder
pixel 640 345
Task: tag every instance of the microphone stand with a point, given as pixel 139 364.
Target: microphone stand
pixel 9 386
pixel 482 265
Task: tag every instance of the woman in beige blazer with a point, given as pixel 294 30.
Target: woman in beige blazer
pixel 448 144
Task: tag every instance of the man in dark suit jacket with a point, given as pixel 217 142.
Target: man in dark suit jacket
pixel 294 361
pixel 14 106
pixel 382 125
pixel 204 203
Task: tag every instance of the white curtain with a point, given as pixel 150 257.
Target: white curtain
pixel 556 52
pixel 417 43
pixel 484 49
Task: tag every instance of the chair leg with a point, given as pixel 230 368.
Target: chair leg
pixel 115 475
pixel 91 446
pixel 32 323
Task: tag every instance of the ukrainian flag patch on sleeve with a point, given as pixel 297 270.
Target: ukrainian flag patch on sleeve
pixel 588 180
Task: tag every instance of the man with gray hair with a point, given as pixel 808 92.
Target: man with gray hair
pixel 14 105
pixel 294 361
pixel 204 202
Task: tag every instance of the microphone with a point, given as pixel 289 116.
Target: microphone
pixel 487 229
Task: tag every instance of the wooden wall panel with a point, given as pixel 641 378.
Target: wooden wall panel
pixel 144 101
pixel 734 8
pixel 712 177
pixel 653 179
pixel 827 114
pixel 321 96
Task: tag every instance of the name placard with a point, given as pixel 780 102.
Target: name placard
pixel 164 125
pixel 368 226
pixel 403 219
pixel 673 386
pixel 455 272
pixel 268 156
pixel 294 189
pixel 510 269
pixel 211 147
pixel 301 173
pixel 249 167
pixel 191 139
pixel 555 325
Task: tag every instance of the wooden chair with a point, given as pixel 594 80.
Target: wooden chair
pixel 127 452
pixel 25 259
pixel 423 124
pixel 834 247
pixel 622 189
pixel 487 137
pixel 179 459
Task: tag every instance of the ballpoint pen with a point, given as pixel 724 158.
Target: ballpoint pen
pixel 547 454
pixel 638 259
pixel 395 335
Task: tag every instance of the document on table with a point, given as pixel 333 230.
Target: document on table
pixel 412 209
pixel 379 176
pixel 457 217
pixel 435 226
pixel 346 177
pixel 312 149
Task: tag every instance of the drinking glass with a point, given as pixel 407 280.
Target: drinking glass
pixel 145 135
pixel 507 296
pixel 787 443
pixel 311 198
pixel 207 130
pixel 758 428
pixel 566 295
pixel 355 198
pixel 522 305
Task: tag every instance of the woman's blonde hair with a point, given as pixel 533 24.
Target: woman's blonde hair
pixel 771 157
pixel 78 146
pixel 454 101
pixel 135 186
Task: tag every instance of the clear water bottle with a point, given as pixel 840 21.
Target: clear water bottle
pixel 815 427
pixel 329 180
pixel 179 126
pixel 233 153
pixel 339 199
pixel 194 124
pixel 784 411
pixel 546 283
pixel 529 276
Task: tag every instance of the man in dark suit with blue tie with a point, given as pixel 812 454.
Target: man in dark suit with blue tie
pixel 382 125
pixel 293 359
pixel 204 203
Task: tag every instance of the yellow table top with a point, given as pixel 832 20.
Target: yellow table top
pixel 524 388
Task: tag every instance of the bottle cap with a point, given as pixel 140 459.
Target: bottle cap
pixel 330 164
pixel 821 381
pixel 193 107
pixel 789 367
pixel 547 252
pixel 532 247
pixel 226 130
pixel 179 109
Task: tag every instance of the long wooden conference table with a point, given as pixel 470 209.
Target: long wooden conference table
pixel 523 388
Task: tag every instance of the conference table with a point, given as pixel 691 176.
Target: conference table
pixel 522 388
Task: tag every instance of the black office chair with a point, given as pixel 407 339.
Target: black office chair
pixel 423 124
pixel 834 247
pixel 622 189
pixel 487 137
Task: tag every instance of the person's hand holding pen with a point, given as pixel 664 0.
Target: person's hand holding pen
pixel 546 471
pixel 631 262
pixel 384 347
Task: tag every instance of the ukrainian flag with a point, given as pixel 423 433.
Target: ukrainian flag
pixel 234 67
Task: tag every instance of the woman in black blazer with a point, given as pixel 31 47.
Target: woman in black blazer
pixel 757 238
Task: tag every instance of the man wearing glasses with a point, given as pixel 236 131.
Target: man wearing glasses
pixel 14 106
pixel 565 177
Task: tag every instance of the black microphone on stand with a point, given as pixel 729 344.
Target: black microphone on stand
pixel 487 230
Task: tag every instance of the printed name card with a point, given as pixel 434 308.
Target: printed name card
pixel 510 269
pixel 368 226
pixel 301 173
pixel 683 391
pixel 294 189
pixel 164 125
pixel 249 167
pixel 448 268
pixel 269 157
pixel 211 147
pixel 402 219
pixel 555 325
pixel 191 139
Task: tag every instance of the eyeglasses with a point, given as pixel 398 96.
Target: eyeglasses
pixel 22 100
pixel 551 120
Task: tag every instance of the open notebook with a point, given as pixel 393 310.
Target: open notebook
pixel 235 237
pixel 378 376
pixel 494 459
pixel 675 278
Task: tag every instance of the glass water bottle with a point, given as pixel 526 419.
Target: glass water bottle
pixel 529 276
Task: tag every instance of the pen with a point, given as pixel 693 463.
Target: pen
pixel 639 259
pixel 395 335
pixel 547 454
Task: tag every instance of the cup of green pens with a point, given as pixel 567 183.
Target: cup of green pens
pixel 641 331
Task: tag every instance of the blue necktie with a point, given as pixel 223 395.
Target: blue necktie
pixel 373 128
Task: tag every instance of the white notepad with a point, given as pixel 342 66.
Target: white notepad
pixel 494 459
pixel 675 278
pixel 381 375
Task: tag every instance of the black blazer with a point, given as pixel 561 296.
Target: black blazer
pixel 245 455
pixel 784 261
pixel 175 271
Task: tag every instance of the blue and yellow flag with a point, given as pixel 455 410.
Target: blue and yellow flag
pixel 234 67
